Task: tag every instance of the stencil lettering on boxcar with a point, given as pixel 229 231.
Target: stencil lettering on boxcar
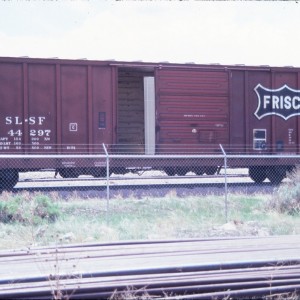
pixel 39 134
pixel 291 136
pixel 73 127
pixel 16 120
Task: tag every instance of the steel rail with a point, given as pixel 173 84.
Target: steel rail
pixel 187 287
pixel 168 247
pixel 175 279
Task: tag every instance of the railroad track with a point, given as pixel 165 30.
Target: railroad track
pixel 136 178
pixel 176 269
pixel 156 185
pixel 149 190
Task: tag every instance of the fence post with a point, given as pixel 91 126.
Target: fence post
pixel 226 184
pixel 107 178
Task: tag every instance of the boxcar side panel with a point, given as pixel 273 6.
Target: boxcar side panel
pixel 41 108
pixel 102 108
pixel 74 109
pixel 11 107
pixel 237 111
pixel 284 132
pixel 259 138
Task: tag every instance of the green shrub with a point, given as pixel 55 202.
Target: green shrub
pixel 28 210
pixel 286 199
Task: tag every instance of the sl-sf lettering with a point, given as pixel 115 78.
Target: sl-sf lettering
pixel 16 120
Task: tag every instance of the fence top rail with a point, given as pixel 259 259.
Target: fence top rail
pixel 30 156
pixel 118 156
pixel 263 156
pixel 143 156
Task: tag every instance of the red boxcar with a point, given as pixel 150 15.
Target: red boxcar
pixel 53 106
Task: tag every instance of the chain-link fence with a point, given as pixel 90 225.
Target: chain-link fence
pixel 236 190
pixel 220 173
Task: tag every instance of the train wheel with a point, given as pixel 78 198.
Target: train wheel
pixel 170 171
pixel 199 171
pixel 181 171
pixel 211 170
pixel 257 174
pixel 276 174
pixel 68 173
pixel 8 179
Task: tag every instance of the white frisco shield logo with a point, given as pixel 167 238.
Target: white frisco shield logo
pixel 283 102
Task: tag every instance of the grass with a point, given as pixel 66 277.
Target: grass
pixel 80 220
